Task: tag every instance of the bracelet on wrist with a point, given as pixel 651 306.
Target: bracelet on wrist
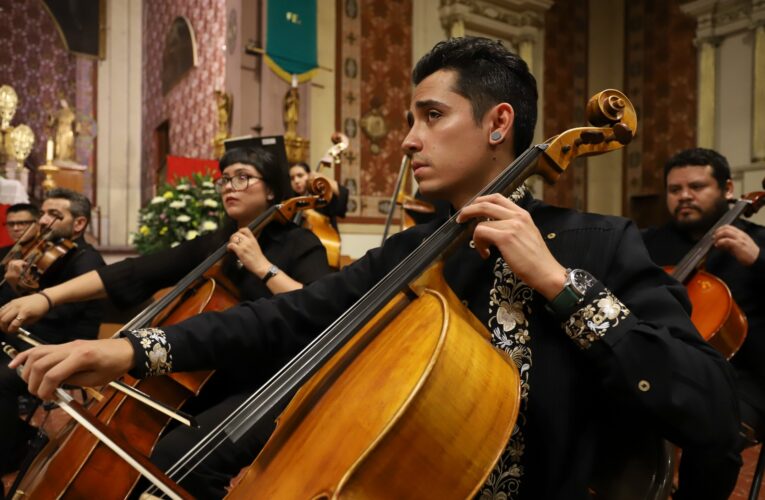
pixel 47 297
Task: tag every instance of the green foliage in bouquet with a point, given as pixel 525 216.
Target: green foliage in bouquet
pixel 180 212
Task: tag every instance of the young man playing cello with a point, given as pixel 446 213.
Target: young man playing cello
pixel 473 110
pixel 698 189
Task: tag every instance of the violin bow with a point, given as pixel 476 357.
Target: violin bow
pixel 140 463
pixel 126 389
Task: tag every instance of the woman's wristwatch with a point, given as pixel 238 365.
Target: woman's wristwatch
pixel 272 271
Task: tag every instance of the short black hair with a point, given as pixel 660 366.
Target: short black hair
pixel 701 157
pixel 33 210
pixel 487 74
pixel 79 204
pixel 265 163
pixel 302 165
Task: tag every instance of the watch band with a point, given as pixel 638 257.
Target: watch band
pixel 272 271
pixel 565 303
pixel 569 299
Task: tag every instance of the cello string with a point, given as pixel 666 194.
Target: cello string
pixel 413 265
pixel 686 266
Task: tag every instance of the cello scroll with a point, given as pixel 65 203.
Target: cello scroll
pixel 615 124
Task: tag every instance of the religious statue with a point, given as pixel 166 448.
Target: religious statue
pixel 63 125
pixel 291 111
pixel 296 146
pixel 224 103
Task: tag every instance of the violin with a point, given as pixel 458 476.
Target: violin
pixel 73 463
pixel 380 379
pixel 715 314
pixel 39 256
pixel 318 223
pixel 22 245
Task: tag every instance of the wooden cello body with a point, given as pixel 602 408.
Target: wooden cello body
pixel 715 314
pixel 75 464
pixel 320 225
pixel 382 419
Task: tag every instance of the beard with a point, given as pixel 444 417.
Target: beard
pixel 698 227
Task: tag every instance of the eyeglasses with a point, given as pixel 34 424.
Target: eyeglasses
pixel 238 182
pixel 19 223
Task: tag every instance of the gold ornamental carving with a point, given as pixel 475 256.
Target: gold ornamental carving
pixel 224 103
pixel 296 146
pixel 374 126
pixel 64 130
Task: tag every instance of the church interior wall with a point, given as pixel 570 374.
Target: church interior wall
pixel 190 105
pixel 648 49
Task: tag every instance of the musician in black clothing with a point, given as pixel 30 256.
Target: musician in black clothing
pixel 62 323
pixel 698 189
pixel 300 176
pixel 574 300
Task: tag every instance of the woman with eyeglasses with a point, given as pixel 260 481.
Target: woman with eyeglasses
pixel 282 258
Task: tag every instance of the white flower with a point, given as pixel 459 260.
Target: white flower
pixel 609 307
pixel 208 184
pixel 209 202
pixel 209 225
pixel 183 218
pixel 174 244
pixel 510 314
pixel 156 200
pixel 191 235
pixel 182 187
pixel 177 204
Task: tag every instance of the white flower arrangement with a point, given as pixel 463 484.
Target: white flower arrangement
pixel 179 213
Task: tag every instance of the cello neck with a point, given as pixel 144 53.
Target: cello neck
pixel 144 317
pixel 696 255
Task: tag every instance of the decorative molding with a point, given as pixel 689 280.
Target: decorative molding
pixel 511 20
pixel 717 19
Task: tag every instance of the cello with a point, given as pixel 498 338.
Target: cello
pixel 73 464
pixel 399 352
pixel 715 314
pixel 318 223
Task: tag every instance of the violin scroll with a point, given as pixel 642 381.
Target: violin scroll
pixel 615 124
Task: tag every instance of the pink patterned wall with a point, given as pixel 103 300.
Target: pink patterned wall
pixel 35 62
pixel 190 105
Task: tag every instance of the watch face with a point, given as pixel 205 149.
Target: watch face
pixel 581 280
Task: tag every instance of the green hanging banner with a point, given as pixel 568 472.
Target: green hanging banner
pixel 291 39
